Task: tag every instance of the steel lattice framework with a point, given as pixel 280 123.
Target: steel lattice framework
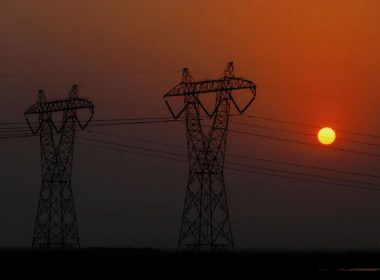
pixel 56 223
pixel 205 219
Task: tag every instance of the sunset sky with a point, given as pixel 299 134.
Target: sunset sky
pixel 314 62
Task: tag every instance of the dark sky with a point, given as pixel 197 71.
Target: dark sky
pixel 315 62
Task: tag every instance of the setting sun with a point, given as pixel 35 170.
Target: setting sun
pixel 326 136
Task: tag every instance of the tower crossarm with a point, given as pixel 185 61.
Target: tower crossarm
pixel 69 106
pixel 207 86
pixel 59 105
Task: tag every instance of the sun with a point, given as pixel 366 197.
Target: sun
pixel 326 136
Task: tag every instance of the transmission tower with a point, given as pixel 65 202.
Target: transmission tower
pixel 56 224
pixel 205 219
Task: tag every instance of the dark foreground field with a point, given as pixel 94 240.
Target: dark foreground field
pixel 154 264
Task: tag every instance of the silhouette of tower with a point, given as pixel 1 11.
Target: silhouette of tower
pixel 56 224
pixel 205 219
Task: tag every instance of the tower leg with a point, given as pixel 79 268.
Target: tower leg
pixel 56 224
pixel 205 219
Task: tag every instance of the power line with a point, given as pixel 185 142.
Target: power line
pixel 302 133
pixel 300 142
pixel 248 116
pixel 286 163
pixel 29 75
pixel 154 120
pixel 305 179
pixel 97 120
pixel 236 131
pixel 119 121
pixel 132 121
pixel 131 152
pixel 131 146
pixel 340 171
pixel 303 174
pixel 135 138
pixel 240 170
pixel 113 122
pixel 105 123
pixel 311 125
pixel 137 121
pixel 5 130
pixel 304 143
pixel 234 163
pixel 14 136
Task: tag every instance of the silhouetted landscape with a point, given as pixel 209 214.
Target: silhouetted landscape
pixel 146 262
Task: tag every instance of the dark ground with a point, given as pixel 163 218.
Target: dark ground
pixel 154 264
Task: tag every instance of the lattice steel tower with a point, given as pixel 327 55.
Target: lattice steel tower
pixel 205 219
pixel 56 223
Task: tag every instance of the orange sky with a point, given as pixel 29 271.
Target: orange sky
pixel 330 47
